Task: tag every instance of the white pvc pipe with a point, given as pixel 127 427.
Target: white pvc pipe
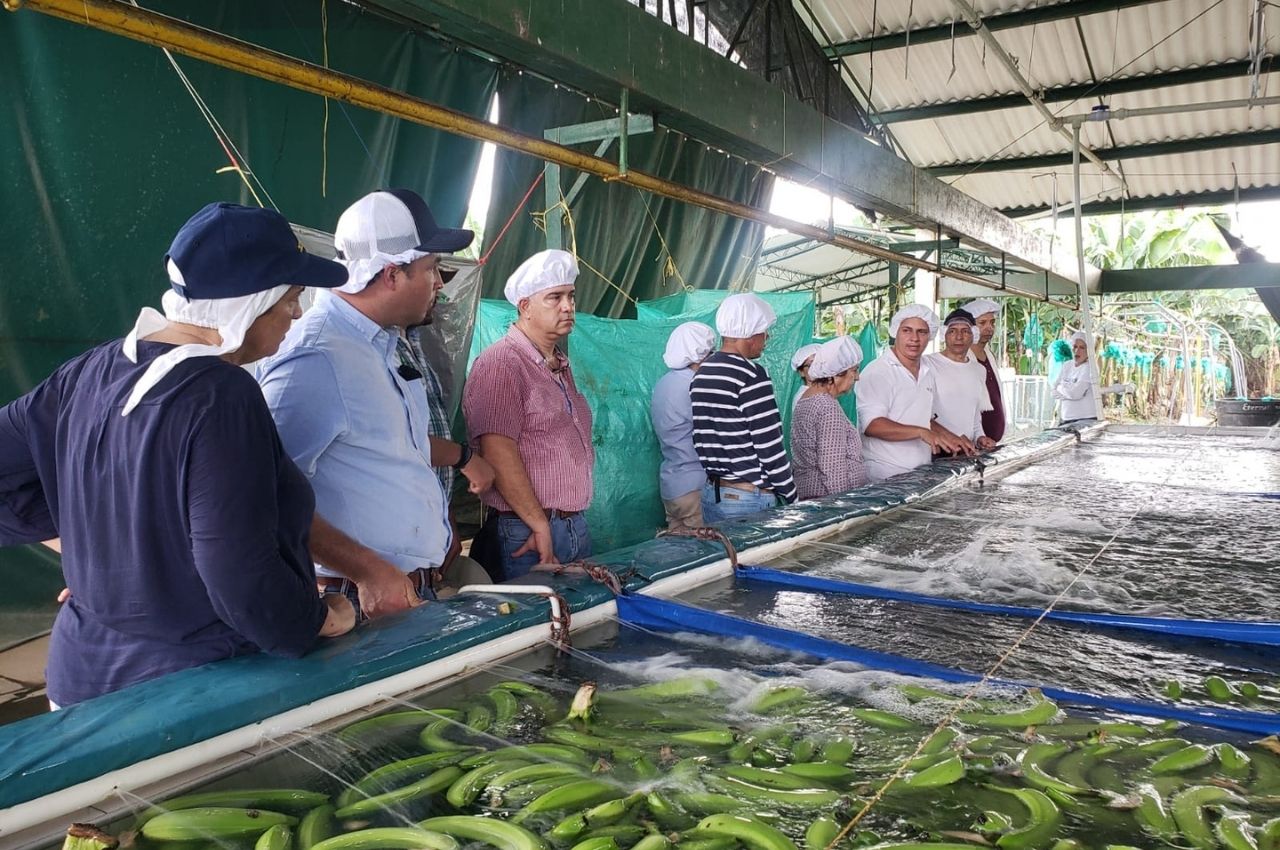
pixel 1176 109
pixel 1086 314
pixel 81 801
pixel 543 590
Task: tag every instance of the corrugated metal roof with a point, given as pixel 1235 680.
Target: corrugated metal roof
pixel 1159 36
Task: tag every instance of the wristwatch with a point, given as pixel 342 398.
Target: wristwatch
pixel 465 457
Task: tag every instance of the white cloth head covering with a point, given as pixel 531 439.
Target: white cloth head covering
pixel 981 307
pixel 543 270
pixel 804 353
pixel 834 357
pixel 914 311
pixel 1080 335
pixel 744 315
pixel 231 317
pixel 375 232
pixel 690 343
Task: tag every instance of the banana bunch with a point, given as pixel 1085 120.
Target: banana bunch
pixel 678 764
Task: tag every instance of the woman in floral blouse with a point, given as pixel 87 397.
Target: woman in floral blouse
pixel 826 448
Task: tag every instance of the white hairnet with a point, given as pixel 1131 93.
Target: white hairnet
pixel 980 307
pixel 804 353
pixel 373 233
pixel 230 317
pixel 1080 335
pixel 834 357
pixel 688 344
pixel 914 311
pixel 743 315
pixel 543 270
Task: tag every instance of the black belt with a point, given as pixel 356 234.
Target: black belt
pixel 552 513
pixel 420 577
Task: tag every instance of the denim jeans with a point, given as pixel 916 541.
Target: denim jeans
pixel 570 540
pixel 733 503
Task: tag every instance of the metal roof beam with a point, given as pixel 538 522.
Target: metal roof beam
pixel 1243 276
pixel 603 46
pixel 1075 91
pixel 1009 20
pixel 1149 149
pixel 1156 202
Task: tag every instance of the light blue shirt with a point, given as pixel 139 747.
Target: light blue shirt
pixel 672 414
pixel 360 432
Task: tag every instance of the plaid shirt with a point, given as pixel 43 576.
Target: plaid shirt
pixel 409 350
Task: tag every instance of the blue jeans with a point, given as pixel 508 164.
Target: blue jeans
pixel 570 540
pixel 733 503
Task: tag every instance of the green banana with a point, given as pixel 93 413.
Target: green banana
pixel 765 778
pixel 396 774
pixel 819 771
pixel 696 841
pixel 1218 689
pixel 1153 816
pixel 519 688
pixel 516 796
pixel 1249 690
pixel 468 786
pixel 1039 714
pixel 286 800
pixel 803 750
pixel 1173 689
pixel 278 837
pixel 672 689
pixel 918 693
pixel 883 719
pixel 569 829
pixel 530 752
pixel 315 826
pixel 809 799
pixel 1188 809
pixel 820 834
pixel 478 717
pixel 624 834
pixel 1033 759
pixel 572 795
pixel 433 784
pixel 533 773
pixel 213 822
pixel 502 834
pixel 1269 835
pixel 1044 818
pixel 777 698
pixel 582 740
pixel 705 738
pixel 505 707
pixel 708 802
pixel 1233 761
pixel 390 838
pixel 1180 761
pixel 1074 767
pixel 372 729
pixel 945 772
pixel 839 750
pixel 599 842
pixel 666 811
pixel 938 740
pixel 611 811
pixel 653 842
pixel 433 737
pixel 753 832
pixel 1233 832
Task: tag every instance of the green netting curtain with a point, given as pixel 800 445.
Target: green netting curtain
pixel 614 231
pixel 107 155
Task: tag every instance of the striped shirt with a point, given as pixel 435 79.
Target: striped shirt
pixel 737 430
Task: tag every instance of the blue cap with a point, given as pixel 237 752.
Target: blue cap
pixel 228 251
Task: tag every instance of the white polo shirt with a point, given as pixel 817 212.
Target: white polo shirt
pixel 962 394
pixel 1074 391
pixel 887 390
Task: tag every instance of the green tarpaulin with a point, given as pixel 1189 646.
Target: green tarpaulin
pixel 631 243
pixel 107 155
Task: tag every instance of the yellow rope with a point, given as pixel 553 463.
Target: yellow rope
pixel 670 268
pixel 540 221
pixel 324 130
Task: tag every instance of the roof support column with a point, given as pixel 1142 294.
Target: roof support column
pixel 1086 315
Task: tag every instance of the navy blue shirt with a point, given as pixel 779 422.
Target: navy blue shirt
pixel 184 525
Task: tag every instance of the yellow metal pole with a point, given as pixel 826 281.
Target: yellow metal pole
pixel 120 18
